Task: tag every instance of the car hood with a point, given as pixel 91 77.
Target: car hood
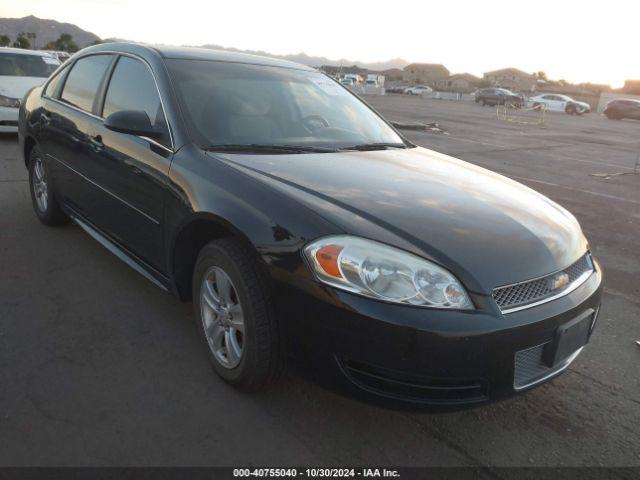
pixel 475 222
pixel 17 87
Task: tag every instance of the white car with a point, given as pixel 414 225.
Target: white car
pixel 560 103
pixel 20 71
pixel 418 90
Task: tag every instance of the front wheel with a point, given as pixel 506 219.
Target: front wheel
pixel 44 203
pixel 235 316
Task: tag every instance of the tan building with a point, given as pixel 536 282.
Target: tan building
pixel 432 74
pixel 463 82
pixel 511 78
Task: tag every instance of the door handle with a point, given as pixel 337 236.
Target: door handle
pixel 45 119
pixel 96 142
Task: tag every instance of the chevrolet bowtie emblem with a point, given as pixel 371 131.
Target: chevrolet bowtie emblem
pixel 558 281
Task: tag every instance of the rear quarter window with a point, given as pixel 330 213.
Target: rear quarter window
pixel 52 88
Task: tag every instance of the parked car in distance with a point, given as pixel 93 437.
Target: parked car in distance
pixel 397 89
pixel 418 90
pixel 59 54
pixel 497 96
pixel 301 224
pixel 622 108
pixel 348 82
pixel 560 103
pixel 20 70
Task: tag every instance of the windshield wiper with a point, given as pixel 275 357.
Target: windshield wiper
pixel 267 148
pixel 375 146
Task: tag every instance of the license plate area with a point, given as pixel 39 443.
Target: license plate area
pixel 569 337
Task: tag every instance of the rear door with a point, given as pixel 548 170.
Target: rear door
pixel 132 169
pixel 67 124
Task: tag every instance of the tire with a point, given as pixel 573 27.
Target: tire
pixel 258 342
pixel 44 203
pixel 482 102
pixel 571 110
pixel 537 106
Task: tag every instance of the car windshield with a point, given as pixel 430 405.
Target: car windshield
pixel 21 65
pixel 235 104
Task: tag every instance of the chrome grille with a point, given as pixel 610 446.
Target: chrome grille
pixel 530 369
pixel 521 294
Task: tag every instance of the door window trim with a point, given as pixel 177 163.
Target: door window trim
pixel 102 91
pixel 105 87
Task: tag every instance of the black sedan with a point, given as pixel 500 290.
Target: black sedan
pixel 622 108
pixel 498 96
pixel 302 225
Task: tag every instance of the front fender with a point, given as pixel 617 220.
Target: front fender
pixel 203 187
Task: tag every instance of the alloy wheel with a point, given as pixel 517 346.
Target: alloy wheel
pixel 39 181
pixel 222 317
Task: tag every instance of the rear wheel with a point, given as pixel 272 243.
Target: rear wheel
pixel 235 315
pixel 44 203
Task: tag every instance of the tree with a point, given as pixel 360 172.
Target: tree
pixel 64 43
pixel 5 41
pixel 541 75
pixel 32 38
pixel 22 41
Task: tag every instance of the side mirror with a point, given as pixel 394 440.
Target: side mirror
pixel 132 122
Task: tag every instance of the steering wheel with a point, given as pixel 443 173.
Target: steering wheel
pixel 311 123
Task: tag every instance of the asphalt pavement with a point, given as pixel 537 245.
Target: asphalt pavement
pixel 99 367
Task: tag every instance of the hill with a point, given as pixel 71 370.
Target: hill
pixel 45 30
pixel 314 61
pixel 49 30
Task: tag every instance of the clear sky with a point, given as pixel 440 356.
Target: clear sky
pixel 575 40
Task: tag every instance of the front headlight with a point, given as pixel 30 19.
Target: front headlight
pixel 9 102
pixel 386 273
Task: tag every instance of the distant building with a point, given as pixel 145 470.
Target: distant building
pixel 392 74
pixel 631 86
pixel 511 78
pixel 432 74
pixel 463 82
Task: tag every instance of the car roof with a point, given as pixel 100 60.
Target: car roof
pixel 634 100
pixel 193 53
pixel 22 51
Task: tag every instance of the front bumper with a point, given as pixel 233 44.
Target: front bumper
pixel 8 119
pixel 424 356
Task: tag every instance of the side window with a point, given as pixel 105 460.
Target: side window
pixel 52 87
pixel 132 87
pixel 84 80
